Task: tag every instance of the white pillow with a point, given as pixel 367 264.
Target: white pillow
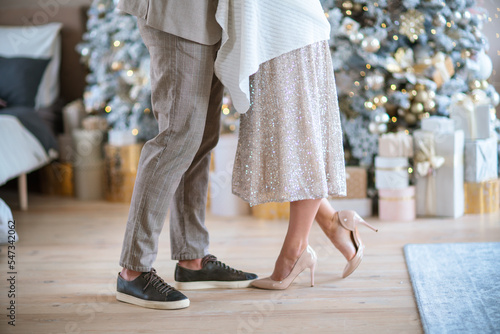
pixel 41 41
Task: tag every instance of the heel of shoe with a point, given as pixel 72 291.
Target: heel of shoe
pixel 311 269
pixel 368 225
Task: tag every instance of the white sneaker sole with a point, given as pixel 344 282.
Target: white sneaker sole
pixel 123 297
pixel 199 285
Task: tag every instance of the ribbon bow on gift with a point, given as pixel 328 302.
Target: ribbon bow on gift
pixel 426 159
pixel 427 162
pixel 444 68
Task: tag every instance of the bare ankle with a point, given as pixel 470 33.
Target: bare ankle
pixel 129 275
pixel 191 264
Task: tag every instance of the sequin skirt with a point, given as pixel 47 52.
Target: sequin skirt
pixel 290 140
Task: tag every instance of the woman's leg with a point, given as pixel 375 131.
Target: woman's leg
pixel 328 220
pixel 296 240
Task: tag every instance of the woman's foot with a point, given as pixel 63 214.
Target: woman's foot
pixel 285 262
pixel 306 260
pixel 328 220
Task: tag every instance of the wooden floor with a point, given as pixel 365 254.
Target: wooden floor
pixel 67 265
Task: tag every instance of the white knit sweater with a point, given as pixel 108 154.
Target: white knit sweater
pixel 255 31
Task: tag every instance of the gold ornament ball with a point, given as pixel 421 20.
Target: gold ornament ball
pixel 347 5
pixel 484 84
pixel 475 84
pixel 429 105
pixel 411 119
pixel 465 54
pixel 370 44
pixel 116 66
pixel 417 108
pixel 422 96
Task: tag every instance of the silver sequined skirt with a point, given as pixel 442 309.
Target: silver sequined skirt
pixel 290 141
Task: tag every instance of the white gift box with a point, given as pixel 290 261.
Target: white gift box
pixel 222 200
pixel 391 173
pixel 89 179
pixel 438 124
pixel 481 160
pixel 439 167
pixel 363 206
pixel 477 121
pixel 87 146
pixel 398 144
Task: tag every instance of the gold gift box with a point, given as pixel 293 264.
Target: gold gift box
pixel 57 179
pixel 482 197
pixel 356 182
pixel 272 211
pixel 121 170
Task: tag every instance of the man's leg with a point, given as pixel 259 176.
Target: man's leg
pixel 181 81
pixel 189 238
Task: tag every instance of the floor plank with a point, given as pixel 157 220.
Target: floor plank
pixel 67 265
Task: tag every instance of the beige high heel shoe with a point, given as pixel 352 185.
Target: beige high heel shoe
pixel 349 220
pixel 306 260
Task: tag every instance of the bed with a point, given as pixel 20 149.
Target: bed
pixel 40 72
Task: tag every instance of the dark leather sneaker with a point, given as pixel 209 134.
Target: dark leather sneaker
pixel 213 274
pixel 150 290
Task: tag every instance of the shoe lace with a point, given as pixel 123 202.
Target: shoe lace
pixel 213 259
pixel 157 282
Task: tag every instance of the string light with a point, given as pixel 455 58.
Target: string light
pixel 135 132
pixel 368 66
pixel 107 109
pixel 394 119
pixel 116 44
pixel 395 37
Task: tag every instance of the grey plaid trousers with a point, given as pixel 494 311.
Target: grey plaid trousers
pixel 174 166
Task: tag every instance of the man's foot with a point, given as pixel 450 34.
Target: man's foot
pixel 213 274
pixel 151 291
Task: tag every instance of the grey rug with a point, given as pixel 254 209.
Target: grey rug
pixel 457 286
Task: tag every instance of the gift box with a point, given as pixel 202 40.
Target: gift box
pixel 271 211
pixel 357 182
pixel 363 206
pixel 482 197
pixel 87 146
pixel 477 121
pixel 89 179
pixel 481 160
pixel 222 200
pixel 66 148
pixel 439 173
pixel 397 204
pixel 438 125
pixel 121 164
pixel 391 173
pixel 57 179
pixel 394 145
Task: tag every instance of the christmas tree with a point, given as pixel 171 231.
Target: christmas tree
pixel 399 61
pixel 118 60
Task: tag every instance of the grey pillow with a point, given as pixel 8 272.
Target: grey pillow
pixel 19 80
